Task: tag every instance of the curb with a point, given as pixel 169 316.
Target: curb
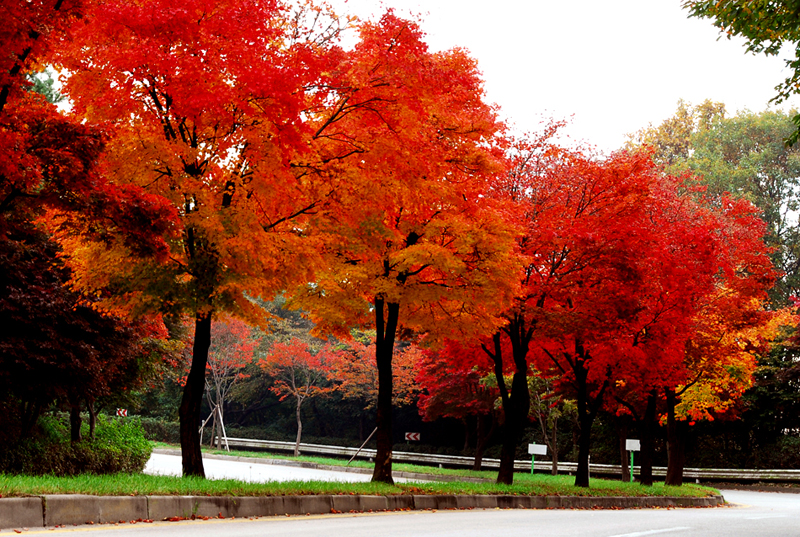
pixel 59 509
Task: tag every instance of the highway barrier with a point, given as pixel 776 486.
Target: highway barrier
pixel 455 461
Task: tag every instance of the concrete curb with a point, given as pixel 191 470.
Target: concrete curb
pixel 59 509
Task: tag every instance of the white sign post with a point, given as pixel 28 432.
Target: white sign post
pixel 536 449
pixel 632 445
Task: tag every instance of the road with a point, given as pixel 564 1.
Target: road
pixel 161 464
pixel 753 514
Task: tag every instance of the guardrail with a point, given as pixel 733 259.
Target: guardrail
pixel 454 461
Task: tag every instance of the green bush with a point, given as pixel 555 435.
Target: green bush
pixel 159 430
pixel 119 445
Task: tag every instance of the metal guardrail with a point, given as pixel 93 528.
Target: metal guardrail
pixel 704 474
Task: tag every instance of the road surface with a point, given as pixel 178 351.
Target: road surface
pixel 161 464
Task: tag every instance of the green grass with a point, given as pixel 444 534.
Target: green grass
pixel 550 484
pixel 140 484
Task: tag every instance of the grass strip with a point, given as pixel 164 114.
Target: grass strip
pixel 550 485
pixel 141 484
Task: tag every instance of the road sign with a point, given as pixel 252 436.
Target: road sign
pixel 631 444
pixel 412 436
pixel 122 412
pixel 537 449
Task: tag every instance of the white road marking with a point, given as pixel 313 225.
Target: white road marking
pixel 765 516
pixel 651 532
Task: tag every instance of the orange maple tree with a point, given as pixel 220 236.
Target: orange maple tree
pixel 353 372
pixel 420 249
pixel 209 106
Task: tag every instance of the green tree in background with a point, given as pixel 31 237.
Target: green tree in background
pixel 767 28
pixel 746 156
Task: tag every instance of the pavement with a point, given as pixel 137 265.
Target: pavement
pixel 67 509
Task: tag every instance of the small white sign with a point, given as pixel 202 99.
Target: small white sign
pixel 122 412
pixel 537 449
pixel 412 436
pixel 632 445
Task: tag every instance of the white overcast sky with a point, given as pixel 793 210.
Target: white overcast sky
pixel 610 66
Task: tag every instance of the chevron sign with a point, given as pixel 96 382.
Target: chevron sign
pixel 122 412
pixel 412 436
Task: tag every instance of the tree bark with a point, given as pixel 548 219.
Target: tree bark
pixel 584 447
pixel 587 411
pixel 384 350
pixel 30 416
pixel 465 423
pixel 516 404
pixel 648 427
pixel 516 413
pixel 622 434
pixel 676 443
pixel 75 422
pixel 481 438
pixel 554 448
pixel 189 411
pixel 299 429
pixel 92 418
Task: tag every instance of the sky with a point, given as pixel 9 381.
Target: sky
pixel 610 67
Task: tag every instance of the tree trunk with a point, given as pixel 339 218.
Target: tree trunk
pixel 465 423
pixel 516 412
pixel 622 434
pixel 481 438
pixel 587 411
pixel 299 429
pixel 584 445
pixel 30 416
pixel 384 350
pixel 189 411
pixel 211 430
pixel 75 422
pixel 554 448
pixel 516 404
pixel 648 427
pixel 218 418
pixel 92 418
pixel 676 443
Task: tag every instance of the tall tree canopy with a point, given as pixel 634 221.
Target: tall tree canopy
pixel 767 27
pixel 208 105
pixel 743 155
pixel 420 249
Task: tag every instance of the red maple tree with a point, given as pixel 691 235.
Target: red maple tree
pixel 298 372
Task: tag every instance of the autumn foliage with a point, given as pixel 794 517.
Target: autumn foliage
pixel 297 371
pixel 221 151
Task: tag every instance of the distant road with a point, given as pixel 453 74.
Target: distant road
pixel 755 514
pixel 161 464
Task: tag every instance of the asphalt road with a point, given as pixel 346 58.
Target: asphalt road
pixel 160 464
pixel 753 514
